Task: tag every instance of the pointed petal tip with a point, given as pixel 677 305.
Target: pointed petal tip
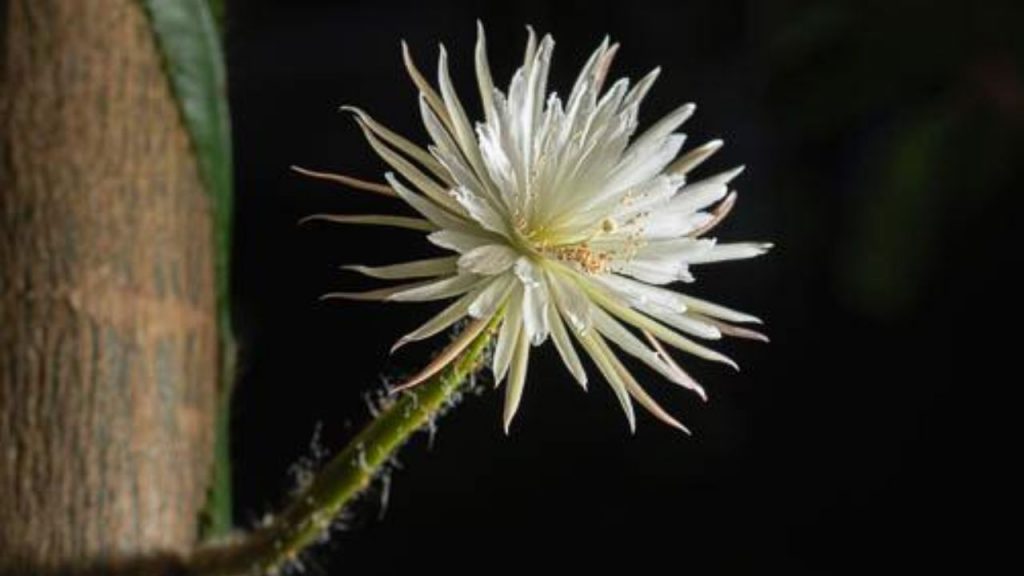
pixel 508 416
pixel 731 174
pixel 682 429
pixel 401 342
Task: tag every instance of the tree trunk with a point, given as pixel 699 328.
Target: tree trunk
pixel 108 358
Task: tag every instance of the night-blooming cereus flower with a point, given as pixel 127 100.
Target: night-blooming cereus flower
pixel 564 223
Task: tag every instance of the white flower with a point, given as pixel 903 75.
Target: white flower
pixel 564 224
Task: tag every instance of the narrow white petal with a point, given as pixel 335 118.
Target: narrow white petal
pixel 737 331
pixel 461 128
pixel 560 336
pixel 645 400
pixel 642 322
pixel 535 301
pixel 602 358
pixel 350 181
pixel 424 87
pixel 617 333
pixel 662 128
pixel 663 224
pixel 430 188
pixel 733 251
pixel 430 210
pixel 653 272
pixel 516 380
pixel 644 165
pixel 375 220
pixel 446 356
pixel 535 313
pixel 491 298
pixel 701 194
pixel 571 302
pixel 683 377
pixel 458 241
pixel 675 249
pixel 488 260
pixel 637 94
pixel 638 294
pixel 401 143
pixel 511 326
pixel 483 73
pixel 438 290
pixel 694 157
pixel 445 318
pixel 379 294
pixel 683 322
pixel 482 211
pixel 716 216
pixel 718 311
pixel 414 269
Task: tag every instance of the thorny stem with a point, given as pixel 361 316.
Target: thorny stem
pixel 307 519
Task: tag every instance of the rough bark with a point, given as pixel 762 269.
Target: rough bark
pixel 107 325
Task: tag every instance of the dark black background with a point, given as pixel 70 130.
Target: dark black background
pixel 882 148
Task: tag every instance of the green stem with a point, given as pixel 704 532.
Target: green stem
pixel 309 516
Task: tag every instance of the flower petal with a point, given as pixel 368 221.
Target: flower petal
pixel 699 195
pixel 560 336
pixel 491 298
pixel 401 143
pixel 717 310
pixel 623 338
pixel 602 358
pixel 732 251
pixel 439 290
pixel 661 332
pixel 483 73
pixel 430 210
pixel 424 87
pixel 430 188
pixel 511 326
pixel 694 157
pixel 414 269
pixel 445 318
pixel 572 303
pixel 516 380
pixel 488 260
pixel 446 356
pixel 458 241
pixel 636 391
pixel 374 220
pixel 380 294
pixel 535 302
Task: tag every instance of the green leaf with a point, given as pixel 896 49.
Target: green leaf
pixel 188 38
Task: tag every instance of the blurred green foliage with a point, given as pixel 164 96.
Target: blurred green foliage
pixel 923 105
